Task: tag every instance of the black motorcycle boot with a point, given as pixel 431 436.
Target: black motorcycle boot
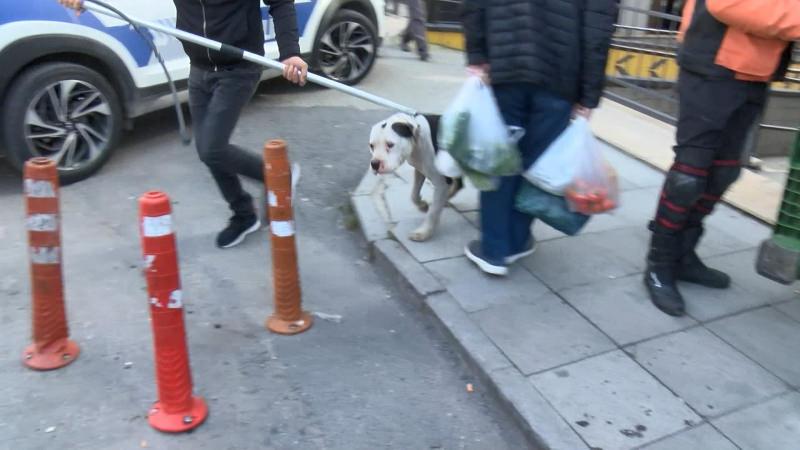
pixel 692 270
pixel 660 276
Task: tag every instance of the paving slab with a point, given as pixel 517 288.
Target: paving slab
pixel 541 335
pixel 637 207
pixel 468 199
pixel 722 241
pixel 733 222
pixel 622 309
pixel 704 437
pixel 584 259
pixel 741 266
pixel 453 233
pixel 710 375
pixel 549 429
pixel 398 201
pixel 613 403
pixel 791 309
pixel 774 425
pixel 474 218
pixel 475 291
pixel 405 172
pixel 467 333
pixel 368 183
pixel 634 171
pixel 543 232
pixel 706 304
pixel 768 337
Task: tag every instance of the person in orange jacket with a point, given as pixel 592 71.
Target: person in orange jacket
pixel 730 50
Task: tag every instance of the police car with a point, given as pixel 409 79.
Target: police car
pixel 68 84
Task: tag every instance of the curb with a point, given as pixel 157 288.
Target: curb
pixel 541 424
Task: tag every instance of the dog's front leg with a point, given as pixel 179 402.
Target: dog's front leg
pixel 416 191
pixel 425 231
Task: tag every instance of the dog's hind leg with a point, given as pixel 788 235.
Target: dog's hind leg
pixel 416 191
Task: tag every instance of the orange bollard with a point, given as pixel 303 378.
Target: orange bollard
pixel 51 348
pixel 177 409
pixel 288 317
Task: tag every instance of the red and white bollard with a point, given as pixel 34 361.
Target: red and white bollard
pixel 177 409
pixel 51 347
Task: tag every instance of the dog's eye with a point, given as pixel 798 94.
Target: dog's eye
pixel 371 147
pixel 390 144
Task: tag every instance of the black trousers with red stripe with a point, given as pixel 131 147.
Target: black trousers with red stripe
pixel 714 120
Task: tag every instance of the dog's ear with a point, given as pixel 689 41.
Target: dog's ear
pixel 403 129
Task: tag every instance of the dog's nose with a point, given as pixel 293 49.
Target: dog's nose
pixel 376 165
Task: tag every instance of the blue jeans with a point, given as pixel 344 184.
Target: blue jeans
pixel 544 116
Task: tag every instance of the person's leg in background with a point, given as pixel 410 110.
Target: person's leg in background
pixel 505 232
pixel 216 101
pixel 416 31
pixel 706 109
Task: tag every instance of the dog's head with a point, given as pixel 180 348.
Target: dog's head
pixel 392 141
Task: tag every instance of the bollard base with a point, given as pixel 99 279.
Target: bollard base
pixel 288 327
pixel 778 263
pixel 54 357
pixel 181 421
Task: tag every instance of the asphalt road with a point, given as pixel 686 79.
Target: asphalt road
pixel 382 377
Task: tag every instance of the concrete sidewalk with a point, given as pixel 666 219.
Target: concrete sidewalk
pixel 571 342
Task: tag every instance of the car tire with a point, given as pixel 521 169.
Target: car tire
pixel 65 112
pixel 348 65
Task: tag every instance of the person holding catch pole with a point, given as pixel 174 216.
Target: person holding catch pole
pixel 220 85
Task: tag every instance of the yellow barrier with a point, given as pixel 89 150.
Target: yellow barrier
pixel 448 39
pixel 621 63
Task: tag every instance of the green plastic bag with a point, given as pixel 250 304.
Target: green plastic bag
pixel 472 131
pixel 550 209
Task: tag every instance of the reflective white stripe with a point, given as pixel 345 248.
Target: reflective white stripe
pixel 175 300
pixel 39 189
pixel 45 255
pixel 282 228
pixel 157 226
pixel 42 222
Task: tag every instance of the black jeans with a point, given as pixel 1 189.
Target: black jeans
pixel 714 120
pixel 216 99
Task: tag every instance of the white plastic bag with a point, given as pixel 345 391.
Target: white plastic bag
pixel 573 166
pixel 595 189
pixel 473 132
pixel 555 170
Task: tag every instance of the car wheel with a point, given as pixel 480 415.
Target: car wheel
pixel 346 49
pixel 65 112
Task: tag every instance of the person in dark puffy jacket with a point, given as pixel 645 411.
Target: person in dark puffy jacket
pixel 545 60
pixel 221 84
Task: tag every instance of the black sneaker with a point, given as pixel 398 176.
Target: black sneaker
pixel 474 253
pixel 238 227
